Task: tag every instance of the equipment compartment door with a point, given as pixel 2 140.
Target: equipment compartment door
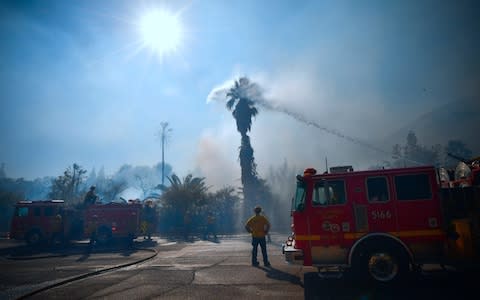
pixel 417 203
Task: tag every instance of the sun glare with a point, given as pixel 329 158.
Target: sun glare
pixel 161 32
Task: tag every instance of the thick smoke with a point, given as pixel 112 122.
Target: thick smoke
pixel 217 165
pixel 256 93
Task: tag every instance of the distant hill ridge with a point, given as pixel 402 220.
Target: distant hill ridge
pixel 456 120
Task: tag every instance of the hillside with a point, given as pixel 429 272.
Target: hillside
pixel 455 120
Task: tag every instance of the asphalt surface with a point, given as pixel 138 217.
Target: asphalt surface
pixel 212 269
pixel 194 269
pixel 26 269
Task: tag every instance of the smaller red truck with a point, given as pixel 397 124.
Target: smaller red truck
pixel 51 221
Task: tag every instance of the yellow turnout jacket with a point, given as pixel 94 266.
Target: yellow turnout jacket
pixel 258 226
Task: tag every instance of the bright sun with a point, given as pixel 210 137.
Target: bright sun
pixel 161 32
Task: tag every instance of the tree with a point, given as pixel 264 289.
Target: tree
pixel 415 154
pixel 141 180
pixel 144 180
pixel 240 102
pixel 181 201
pixel 112 187
pixel 224 204
pixel 66 186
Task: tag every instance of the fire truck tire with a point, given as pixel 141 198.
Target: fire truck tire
pixel 103 235
pixel 387 265
pixel 33 237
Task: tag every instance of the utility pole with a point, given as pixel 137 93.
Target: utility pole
pixel 163 135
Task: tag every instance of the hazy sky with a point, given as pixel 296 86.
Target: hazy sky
pixel 79 82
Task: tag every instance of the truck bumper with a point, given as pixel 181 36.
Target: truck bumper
pixel 292 256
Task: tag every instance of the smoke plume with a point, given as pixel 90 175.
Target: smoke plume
pixel 255 93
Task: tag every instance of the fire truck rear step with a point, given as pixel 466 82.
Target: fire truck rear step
pixel 330 272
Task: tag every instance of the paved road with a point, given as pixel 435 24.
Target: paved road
pixel 194 270
pixel 25 269
pixel 181 270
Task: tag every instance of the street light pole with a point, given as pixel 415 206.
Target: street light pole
pixel 163 136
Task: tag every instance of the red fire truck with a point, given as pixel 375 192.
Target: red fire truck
pixel 381 224
pixel 52 221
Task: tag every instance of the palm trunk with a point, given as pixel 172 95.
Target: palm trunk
pixel 249 173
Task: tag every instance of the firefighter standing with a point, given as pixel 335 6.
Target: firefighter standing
pixel 258 225
pixel 149 218
pixel 91 197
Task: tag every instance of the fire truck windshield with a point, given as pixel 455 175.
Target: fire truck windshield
pixel 21 211
pixel 299 201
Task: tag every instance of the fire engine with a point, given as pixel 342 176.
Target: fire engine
pixel 381 224
pixel 50 220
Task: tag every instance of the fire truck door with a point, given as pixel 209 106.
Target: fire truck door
pixel 381 212
pixel 330 218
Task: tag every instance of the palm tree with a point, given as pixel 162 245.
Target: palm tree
pixel 242 106
pixel 240 102
pixel 182 200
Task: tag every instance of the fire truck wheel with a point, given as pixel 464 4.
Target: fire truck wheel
pixel 33 237
pixel 388 265
pixel 103 235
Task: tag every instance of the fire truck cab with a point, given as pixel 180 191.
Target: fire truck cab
pixel 34 221
pixel 380 223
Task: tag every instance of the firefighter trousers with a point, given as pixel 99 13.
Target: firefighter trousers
pixel 263 246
